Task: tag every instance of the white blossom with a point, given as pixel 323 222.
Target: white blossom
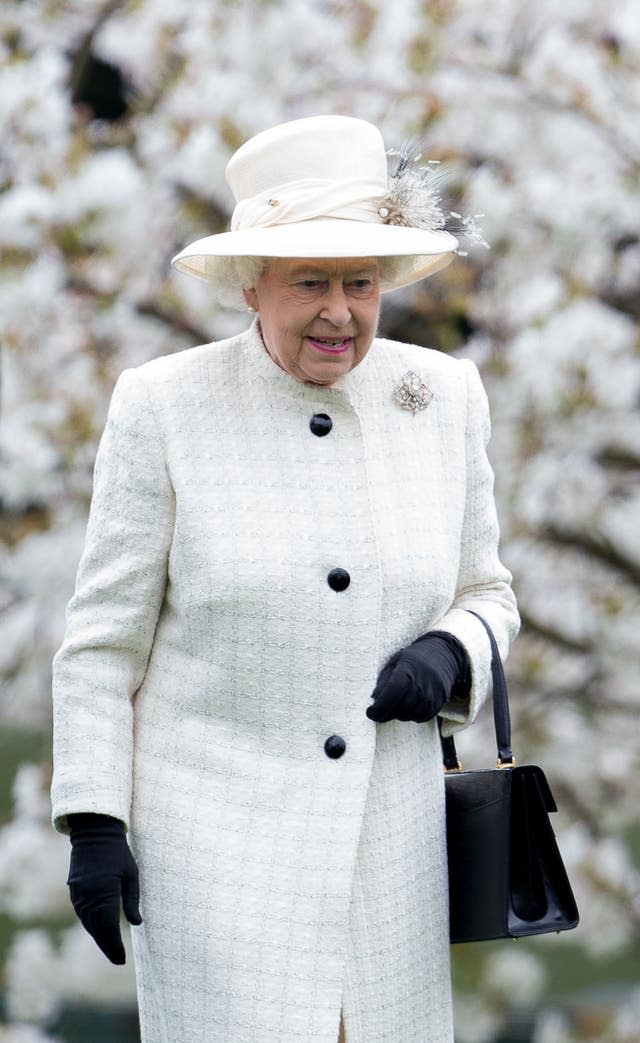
pixel 17 1033
pixel 627 1018
pixel 33 860
pixel 552 1026
pixel 42 978
pixel 516 977
pixel 474 1022
pixel 33 992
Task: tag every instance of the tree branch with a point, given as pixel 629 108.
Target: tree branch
pixel 174 322
pixel 552 634
pixel 83 51
pixel 151 309
pixel 618 456
pixel 599 547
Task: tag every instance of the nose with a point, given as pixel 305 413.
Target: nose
pixel 336 305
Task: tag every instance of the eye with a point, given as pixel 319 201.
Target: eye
pixel 309 284
pixel 361 287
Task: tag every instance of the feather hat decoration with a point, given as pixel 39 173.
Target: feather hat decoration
pixel 415 199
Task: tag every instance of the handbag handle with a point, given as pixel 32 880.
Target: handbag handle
pixel 501 719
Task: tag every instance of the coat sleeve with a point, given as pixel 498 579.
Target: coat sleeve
pixel 111 618
pixel 484 584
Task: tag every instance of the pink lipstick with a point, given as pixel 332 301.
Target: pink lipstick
pixel 332 349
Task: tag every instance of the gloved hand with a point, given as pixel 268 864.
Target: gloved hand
pixel 101 872
pixel 418 680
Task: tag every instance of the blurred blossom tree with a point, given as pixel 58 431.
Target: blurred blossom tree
pixel 117 121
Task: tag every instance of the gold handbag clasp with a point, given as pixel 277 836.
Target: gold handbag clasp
pixel 452 771
pixel 506 764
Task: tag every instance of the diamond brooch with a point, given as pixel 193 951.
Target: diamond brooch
pixel 411 393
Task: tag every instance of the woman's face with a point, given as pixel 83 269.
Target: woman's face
pixel 302 303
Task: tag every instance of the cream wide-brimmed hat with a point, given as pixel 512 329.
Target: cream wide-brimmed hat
pixel 321 187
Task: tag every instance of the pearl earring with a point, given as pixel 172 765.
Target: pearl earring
pixel 249 308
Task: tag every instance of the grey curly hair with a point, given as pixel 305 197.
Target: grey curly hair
pixel 242 272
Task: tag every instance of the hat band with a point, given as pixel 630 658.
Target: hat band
pixel 353 199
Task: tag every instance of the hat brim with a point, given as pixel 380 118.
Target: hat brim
pixel 426 252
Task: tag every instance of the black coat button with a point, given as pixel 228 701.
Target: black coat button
pixel 320 424
pixel 335 746
pixel 338 579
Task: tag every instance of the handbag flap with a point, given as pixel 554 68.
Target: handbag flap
pixel 537 777
pixel 527 817
pixel 540 892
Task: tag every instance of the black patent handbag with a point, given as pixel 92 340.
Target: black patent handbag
pixel 506 875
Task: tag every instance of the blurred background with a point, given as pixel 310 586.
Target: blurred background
pixel 117 120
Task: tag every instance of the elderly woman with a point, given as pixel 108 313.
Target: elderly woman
pixel 286 531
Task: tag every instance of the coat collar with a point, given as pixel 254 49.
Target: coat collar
pixel 394 375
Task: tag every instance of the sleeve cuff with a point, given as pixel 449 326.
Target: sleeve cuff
pixel 60 819
pixel 462 709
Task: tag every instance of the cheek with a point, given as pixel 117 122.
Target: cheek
pixel 289 331
pixel 370 315
pixel 298 321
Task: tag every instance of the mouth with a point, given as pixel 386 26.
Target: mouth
pixel 332 345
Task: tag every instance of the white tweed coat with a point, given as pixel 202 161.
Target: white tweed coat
pixel 207 660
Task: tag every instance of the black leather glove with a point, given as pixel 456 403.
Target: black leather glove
pixel 101 872
pixel 418 680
